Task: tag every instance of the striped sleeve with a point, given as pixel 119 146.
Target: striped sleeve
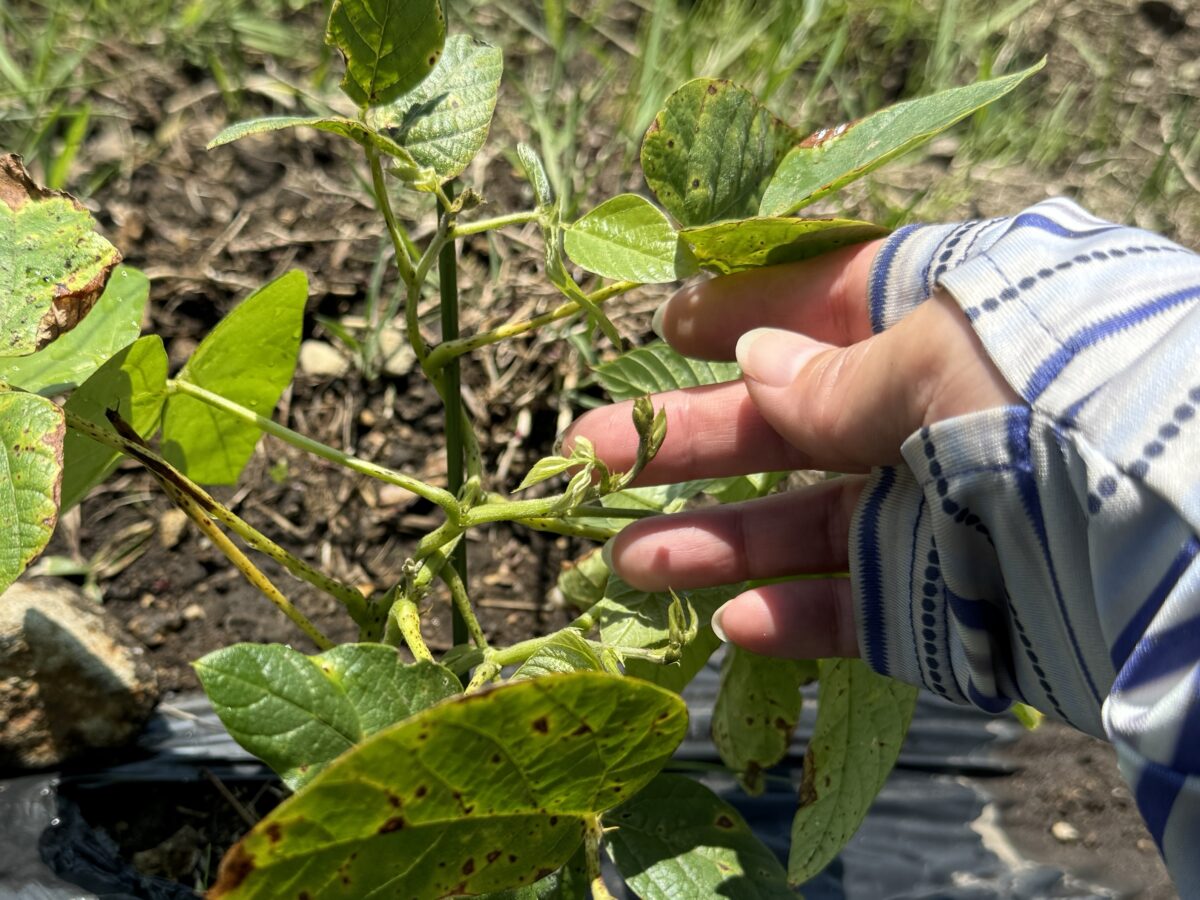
pixel 1047 552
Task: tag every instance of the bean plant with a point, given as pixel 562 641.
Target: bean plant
pixel 499 770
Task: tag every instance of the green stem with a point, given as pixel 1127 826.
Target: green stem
pixel 593 838
pixel 462 604
pixel 448 350
pixel 482 225
pixel 384 202
pixel 442 498
pixel 568 528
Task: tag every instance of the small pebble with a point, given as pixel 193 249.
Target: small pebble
pixel 1064 832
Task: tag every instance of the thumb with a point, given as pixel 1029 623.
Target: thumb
pixel 850 408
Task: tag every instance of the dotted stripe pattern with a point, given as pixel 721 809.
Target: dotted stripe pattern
pixel 991 304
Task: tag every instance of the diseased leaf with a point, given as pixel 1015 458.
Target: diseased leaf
pixel 249 358
pixel 390 46
pixel 31 456
pixel 677 838
pixel 861 722
pixel 757 708
pixel 833 157
pixel 729 247
pixel 630 239
pixel 481 793
pixel 443 122
pixel 114 322
pixel 631 618
pixel 347 128
pixel 568 883
pixel 567 652
pixel 298 713
pixel 53 266
pixel 710 151
pixel 133 382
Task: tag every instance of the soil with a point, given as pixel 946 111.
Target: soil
pixel 209 227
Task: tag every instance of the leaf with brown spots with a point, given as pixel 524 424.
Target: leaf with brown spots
pixel 861 722
pixel 823 163
pixel 53 265
pixel 711 151
pixel 390 46
pixel 729 247
pixel 532 805
pixel 758 705
pixel 679 839
pixel 32 431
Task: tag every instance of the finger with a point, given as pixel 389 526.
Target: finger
pixel 712 432
pixel 795 533
pixel 796 619
pixel 825 297
pixel 849 408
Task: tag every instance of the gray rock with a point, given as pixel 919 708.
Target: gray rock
pixel 71 680
pixel 321 360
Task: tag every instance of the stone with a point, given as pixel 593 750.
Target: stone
pixel 71 680
pixel 1064 832
pixel 321 360
pixel 398 354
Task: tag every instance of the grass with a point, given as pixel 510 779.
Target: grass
pixel 582 64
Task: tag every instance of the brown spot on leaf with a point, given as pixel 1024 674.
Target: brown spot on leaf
pixel 235 868
pixel 585 728
pixel 542 873
pixel 712 89
pixel 782 724
pixel 553 821
pixel 393 799
pixel 395 823
pixel 512 857
pixel 274 833
pixel 723 821
pixel 824 135
pixel 493 856
pixel 304 895
pixel 496 757
pixel 421 790
pixel 541 725
pixel 469 866
pixel 695 182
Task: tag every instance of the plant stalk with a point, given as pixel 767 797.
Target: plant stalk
pixel 435 495
pixel 452 396
pixel 482 225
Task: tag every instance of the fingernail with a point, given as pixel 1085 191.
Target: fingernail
pixel 774 357
pixel 656 323
pixel 716 622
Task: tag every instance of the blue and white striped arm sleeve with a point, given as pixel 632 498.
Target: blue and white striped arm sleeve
pixel 1047 553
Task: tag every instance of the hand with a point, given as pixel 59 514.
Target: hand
pixel 819 392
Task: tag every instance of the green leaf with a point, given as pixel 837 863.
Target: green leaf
pixel 834 157
pixel 567 652
pixel 298 713
pixel 678 839
pixel 711 150
pixel 390 46
pixel 347 128
pixel 655 368
pixel 582 583
pixel 637 619
pixel 630 239
pixel 133 382
pixel 444 121
pixel 545 468
pixel 31 434
pixel 861 722
pixel 114 322
pixel 248 358
pixel 480 793
pixel 53 266
pixel 729 247
pixel 757 708
pixel 535 174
